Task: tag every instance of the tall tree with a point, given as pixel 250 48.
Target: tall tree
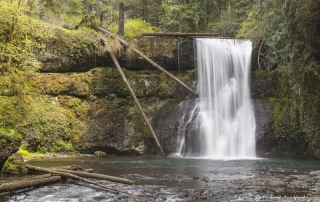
pixel 145 10
pixel 87 7
pixel 98 8
pixel 219 9
pixel 121 19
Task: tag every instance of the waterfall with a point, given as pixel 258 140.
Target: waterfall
pixel 225 116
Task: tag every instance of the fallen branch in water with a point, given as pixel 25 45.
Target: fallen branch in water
pixel 96 176
pixel 74 168
pixel 47 170
pixel 30 182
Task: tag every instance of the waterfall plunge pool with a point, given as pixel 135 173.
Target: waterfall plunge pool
pixel 184 179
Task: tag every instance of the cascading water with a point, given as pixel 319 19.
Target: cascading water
pixel 226 122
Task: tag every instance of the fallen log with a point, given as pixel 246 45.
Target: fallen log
pixel 74 167
pixel 47 170
pixel 96 176
pixel 29 183
pixel 123 42
pixel 137 102
pixel 178 34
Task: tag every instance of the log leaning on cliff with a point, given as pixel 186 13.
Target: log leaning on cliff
pixel 123 42
pixel 29 182
pixel 47 170
pixel 136 101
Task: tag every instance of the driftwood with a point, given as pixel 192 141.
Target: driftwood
pixel 73 167
pixel 123 42
pixel 47 170
pixel 96 176
pixel 29 182
pixel 137 102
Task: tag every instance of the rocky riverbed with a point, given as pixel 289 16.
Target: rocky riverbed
pixel 175 179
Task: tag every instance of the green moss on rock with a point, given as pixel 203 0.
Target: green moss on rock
pixel 15 165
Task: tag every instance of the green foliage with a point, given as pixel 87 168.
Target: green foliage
pixel 290 32
pixel 17 62
pixel 227 27
pixel 9 135
pixel 134 28
pixel 181 17
pixel 27 154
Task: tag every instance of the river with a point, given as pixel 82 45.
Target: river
pixel 184 179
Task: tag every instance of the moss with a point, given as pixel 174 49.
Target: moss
pixel 100 153
pixel 15 165
pixel 12 133
pixel 28 155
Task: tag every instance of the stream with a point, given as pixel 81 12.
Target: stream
pixel 183 179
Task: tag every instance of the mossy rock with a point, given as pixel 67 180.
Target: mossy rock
pixel 100 153
pixel 10 141
pixel 15 165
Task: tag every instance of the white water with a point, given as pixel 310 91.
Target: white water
pixel 227 122
pixel 221 123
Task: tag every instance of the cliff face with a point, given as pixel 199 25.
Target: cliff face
pixel 287 124
pixel 102 115
pixel 79 103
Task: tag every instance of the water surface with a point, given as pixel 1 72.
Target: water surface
pixel 183 179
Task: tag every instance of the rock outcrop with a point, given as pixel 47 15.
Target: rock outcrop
pixel 287 124
pixel 10 141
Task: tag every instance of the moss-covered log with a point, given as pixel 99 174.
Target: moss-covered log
pixel 68 175
pixel 29 183
pixel 96 176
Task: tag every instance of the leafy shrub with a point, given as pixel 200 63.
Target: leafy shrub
pixel 134 28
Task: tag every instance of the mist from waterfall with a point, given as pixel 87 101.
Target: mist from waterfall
pixel 223 114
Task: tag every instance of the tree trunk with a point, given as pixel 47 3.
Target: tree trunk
pixel 123 42
pixel 87 7
pixel 205 15
pixel 220 9
pixel 145 10
pixel 98 8
pixel 96 176
pixel 29 182
pixel 178 34
pixel 137 103
pixel 121 19
pixel 39 169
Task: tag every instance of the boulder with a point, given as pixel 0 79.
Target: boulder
pixel 15 165
pixel 10 141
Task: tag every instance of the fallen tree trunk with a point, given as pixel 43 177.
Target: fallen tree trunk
pixel 177 34
pixel 74 168
pixel 47 170
pixel 29 182
pixel 137 102
pixel 123 42
pixel 96 176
